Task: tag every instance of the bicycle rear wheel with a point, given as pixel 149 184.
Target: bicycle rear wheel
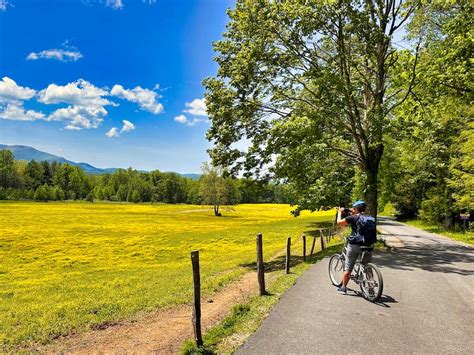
pixel 371 284
pixel 336 269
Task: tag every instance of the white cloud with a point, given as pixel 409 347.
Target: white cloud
pixel 80 92
pixel 197 107
pixel 15 111
pixel 118 4
pixel 194 121
pixel 86 102
pixel 112 132
pixel 3 5
pixel 115 4
pixel 127 126
pixel 181 119
pixel 184 120
pixel 78 117
pixel 9 90
pixel 145 98
pixel 11 102
pixel 58 54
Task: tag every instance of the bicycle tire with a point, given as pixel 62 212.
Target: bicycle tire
pixel 371 289
pixel 336 269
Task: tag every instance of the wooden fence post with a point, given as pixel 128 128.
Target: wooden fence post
pixel 312 246
pixel 288 254
pixel 197 298
pixel 304 247
pixel 322 240
pixel 260 267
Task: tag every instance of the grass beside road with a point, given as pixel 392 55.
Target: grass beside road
pixel 467 237
pixel 68 267
pixel 245 318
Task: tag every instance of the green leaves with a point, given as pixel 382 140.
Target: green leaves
pixel 305 73
pixel 216 189
pixel 433 177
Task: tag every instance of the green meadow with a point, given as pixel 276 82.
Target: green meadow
pixel 68 267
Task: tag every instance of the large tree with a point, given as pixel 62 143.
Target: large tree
pixel 303 80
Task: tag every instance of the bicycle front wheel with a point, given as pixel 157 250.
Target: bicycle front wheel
pixel 336 269
pixel 372 283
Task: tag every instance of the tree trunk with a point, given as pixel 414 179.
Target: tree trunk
pixel 449 215
pixel 372 171
pixel 371 193
pixel 216 210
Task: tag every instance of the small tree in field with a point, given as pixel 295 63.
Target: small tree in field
pixel 216 190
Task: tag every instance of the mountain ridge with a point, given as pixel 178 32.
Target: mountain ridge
pixel 24 152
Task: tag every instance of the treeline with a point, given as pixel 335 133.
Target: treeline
pixel 45 181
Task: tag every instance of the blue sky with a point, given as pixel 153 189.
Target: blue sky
pixel 114 83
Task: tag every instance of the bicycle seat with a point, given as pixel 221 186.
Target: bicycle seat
pixel 366 248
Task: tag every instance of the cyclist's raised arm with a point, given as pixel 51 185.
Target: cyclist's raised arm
pixel 340 221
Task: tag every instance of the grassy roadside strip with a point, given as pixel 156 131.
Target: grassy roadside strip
pixel 467 237
pixel 245 318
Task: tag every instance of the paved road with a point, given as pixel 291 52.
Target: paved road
pixel 427 305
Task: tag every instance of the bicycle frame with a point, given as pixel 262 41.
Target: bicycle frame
pixel 366 275
pixel 358 267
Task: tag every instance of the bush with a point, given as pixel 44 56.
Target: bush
pixel 433 209
pixel 135 196
pixel 43 193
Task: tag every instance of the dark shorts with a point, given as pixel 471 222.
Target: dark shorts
pixel 352 253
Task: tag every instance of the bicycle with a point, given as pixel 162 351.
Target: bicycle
pixel 367 276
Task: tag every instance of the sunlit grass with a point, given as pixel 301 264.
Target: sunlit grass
pixel 65 267
pixel 466 237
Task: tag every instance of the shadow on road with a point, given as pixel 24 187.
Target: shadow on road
pixel 382 302
pixel 430 258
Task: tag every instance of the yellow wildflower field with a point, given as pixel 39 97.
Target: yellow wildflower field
pixel 65 267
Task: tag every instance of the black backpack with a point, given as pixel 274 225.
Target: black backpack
pixel 366 231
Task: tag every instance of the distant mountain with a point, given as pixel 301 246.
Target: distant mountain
pixel 191 176
pixel 23 152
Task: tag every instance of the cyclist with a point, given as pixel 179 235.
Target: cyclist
pixel 353 246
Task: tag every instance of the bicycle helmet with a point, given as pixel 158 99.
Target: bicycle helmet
pixel 359 203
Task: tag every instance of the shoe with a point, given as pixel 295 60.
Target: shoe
pixel 342 290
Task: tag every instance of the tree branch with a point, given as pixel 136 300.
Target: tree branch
pixel 412 81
